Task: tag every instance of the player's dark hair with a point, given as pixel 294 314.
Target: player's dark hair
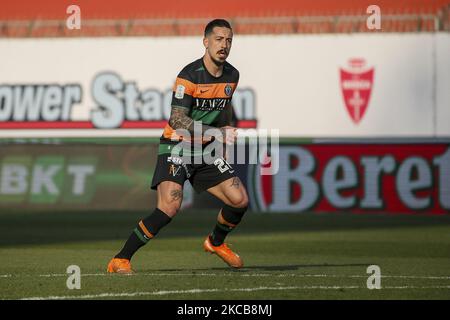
pixel 216 23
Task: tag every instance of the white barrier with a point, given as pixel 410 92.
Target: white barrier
pixel 360 85
pixel 443 84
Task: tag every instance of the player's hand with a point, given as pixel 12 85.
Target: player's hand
pixel 229 135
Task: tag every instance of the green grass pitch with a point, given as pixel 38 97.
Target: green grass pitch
pixel 286 256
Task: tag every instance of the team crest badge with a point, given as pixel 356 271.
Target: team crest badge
pixel 356 85
pixel 174 170
pixel 228 90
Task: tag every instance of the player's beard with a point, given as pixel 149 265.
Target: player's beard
pixel 217 62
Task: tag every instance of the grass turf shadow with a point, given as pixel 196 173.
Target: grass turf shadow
pixel 251 268
pixel 24 228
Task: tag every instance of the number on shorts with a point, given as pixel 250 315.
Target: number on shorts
pixel 222 165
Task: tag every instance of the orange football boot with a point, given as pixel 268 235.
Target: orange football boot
pixel 122 266
pixel 224 252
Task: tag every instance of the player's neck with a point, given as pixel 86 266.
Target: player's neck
pixel 214 69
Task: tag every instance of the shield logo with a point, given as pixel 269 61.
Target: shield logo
pixel 356 85
pixel 228 90
pixel 174 170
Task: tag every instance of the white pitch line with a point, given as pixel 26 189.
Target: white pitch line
pixel 168 292
pixel 234 274
pixel 196 291
pixel 134 274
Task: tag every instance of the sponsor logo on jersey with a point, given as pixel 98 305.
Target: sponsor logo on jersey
pixel 211 104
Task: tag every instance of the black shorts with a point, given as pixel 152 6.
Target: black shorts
pixel 201 176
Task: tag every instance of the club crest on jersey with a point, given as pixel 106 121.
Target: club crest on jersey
pixel 174 170
pixel 228 90
pixel 356 85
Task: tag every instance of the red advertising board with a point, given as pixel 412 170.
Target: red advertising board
pixel 359 178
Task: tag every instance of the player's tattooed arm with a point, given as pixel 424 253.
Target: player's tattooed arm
pixel 179 119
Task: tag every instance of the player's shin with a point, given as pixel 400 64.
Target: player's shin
pixel 144 231
pixel 228 218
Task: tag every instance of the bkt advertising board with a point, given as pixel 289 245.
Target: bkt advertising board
pixel 400 178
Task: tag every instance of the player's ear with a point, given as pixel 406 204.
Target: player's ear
pixel 205 42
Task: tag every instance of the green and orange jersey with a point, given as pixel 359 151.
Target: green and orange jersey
pixel 207 98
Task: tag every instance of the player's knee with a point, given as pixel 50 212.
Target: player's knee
pixel 239 200
pixel 171 209
pixel 244 201
pixel 170 197
pixel 170 206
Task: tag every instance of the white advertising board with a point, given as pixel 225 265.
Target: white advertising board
pixel 345 85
